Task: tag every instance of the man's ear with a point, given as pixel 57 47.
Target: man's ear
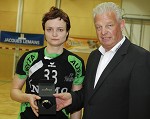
pixel 122 24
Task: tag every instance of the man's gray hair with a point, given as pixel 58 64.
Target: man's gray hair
pixel 108 7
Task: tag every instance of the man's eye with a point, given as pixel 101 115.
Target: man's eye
pixel 98 27
pixel 110 25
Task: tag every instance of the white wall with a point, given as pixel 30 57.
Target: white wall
pixel 138 22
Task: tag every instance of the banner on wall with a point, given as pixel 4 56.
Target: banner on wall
pixel 81 44
pixel 21 38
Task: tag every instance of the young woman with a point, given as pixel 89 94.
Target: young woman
pixel 52 62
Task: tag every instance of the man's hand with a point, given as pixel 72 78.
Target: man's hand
pixel 63 100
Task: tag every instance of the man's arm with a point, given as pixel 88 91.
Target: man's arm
pixel 73 101
pixel 139 101
pixel 76 114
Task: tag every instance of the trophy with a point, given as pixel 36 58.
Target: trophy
pixel 47 103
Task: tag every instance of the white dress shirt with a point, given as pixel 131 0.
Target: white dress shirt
pixel 105 59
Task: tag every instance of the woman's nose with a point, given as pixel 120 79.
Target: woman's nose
pixel 54 33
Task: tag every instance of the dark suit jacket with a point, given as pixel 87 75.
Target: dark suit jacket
pixel 123 90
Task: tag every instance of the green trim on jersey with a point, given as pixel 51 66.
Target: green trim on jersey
pixel 78 81
pixel 67 115
pixel 53 55
pixel 23 107
pixel 77 65
pixel 22 76
pixel 29 59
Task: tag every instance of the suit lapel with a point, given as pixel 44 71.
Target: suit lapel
pixel 93 68
pixel 112 64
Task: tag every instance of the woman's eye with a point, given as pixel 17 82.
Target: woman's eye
pixel 49 29
pixel 60 30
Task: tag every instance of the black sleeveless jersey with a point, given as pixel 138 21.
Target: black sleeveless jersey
pixel 64 71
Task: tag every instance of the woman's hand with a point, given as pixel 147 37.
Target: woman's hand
pixel 33 103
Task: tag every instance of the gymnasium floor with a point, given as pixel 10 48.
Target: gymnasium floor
pixel 8 108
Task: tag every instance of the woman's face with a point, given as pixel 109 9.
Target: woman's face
pixel 55 32
pixel 108 29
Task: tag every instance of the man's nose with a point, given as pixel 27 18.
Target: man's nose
pixel 104 30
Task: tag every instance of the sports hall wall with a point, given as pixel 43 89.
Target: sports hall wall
pixel 79 11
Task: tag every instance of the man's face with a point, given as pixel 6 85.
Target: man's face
pixel 55 32
pixel 108 29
